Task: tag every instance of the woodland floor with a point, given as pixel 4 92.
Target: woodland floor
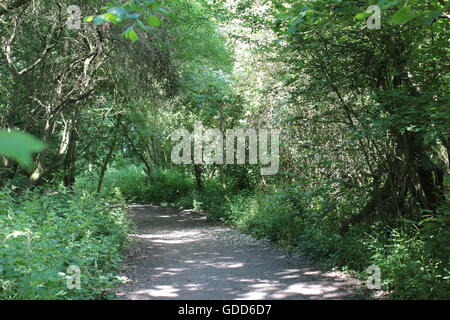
pixel 180 255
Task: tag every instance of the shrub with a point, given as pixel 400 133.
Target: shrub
pixel 134 185
pixel 43 234
pixel 270 215
pixel 413 257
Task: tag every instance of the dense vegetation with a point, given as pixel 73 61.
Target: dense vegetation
pixel 364 117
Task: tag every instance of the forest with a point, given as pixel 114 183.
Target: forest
pixel 348 101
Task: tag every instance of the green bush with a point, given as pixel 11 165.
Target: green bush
pixel 42 234
pixel 414 260
pixel 167 186
pixel 408 269
pixel 413 257
pixel 270 215
pixel 164 186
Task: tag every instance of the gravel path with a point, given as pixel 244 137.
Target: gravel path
pixel 179 255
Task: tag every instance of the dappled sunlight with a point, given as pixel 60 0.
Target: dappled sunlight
pixel 287 272
pixel 260 290
pixel 255 295
pixel 241 138
pixel 225 265
pixel 302 289
pixel 173 241
pixel 186 261
pixel 312 272
pixel 234 287
pixel 159 292
pixel 294 276
pixel 168 272
pixel 171 236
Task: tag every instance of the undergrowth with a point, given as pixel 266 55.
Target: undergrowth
pixel 44 232
pixel 413 256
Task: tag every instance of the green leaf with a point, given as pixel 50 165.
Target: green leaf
pixel 154 21
pixel 99 20
pixel 429 18
pixel 131 34
pixel 386 4
pixel 20 146
pixel 118 12
pixel 111 17
pixel 163 10
pixel 131 6
pixel 142 25
pixel 88 19
pixel 362 15
pixel 155 5
pixel 402 16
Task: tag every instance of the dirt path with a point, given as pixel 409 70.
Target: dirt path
pixel 181 256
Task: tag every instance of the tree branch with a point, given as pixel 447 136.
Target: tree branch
pixel 8 50
pixel 15 5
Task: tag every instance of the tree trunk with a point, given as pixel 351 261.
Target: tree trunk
pixel 69 165
pixel 107 160
pixel 198 177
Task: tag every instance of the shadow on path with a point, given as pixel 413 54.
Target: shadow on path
pixel 181 256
